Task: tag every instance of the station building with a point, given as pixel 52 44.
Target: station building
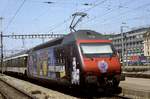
pixel 134 44
pixel 147 43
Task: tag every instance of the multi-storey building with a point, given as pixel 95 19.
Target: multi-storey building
pixel 131 43
pixel 147 44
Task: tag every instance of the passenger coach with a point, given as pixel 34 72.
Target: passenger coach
pixel 15 64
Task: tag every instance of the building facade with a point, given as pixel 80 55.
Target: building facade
pixel 147 44
pixel 131 43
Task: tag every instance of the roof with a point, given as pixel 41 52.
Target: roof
pixel 18 54
pixel 83 34
pixel 132 31
pixel 14 57
pixel 48 44
pixel 80 34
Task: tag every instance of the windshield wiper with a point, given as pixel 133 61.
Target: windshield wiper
pixel 90 57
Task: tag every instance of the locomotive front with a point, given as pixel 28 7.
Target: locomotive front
pixel 99 62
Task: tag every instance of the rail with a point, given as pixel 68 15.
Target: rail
pixel 120 97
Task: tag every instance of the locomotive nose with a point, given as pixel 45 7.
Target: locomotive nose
pixel 101 65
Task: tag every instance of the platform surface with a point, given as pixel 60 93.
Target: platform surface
pixel 136 87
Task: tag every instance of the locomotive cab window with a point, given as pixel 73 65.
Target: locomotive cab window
pixel 96 48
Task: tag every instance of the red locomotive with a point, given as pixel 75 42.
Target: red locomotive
pixel 81 58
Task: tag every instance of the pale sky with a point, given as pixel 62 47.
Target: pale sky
pixel 35 16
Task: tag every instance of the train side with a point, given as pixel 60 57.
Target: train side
pixel 48 61
pixel 83 58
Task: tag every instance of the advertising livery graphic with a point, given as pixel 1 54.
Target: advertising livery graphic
pixel 42 59
pixel 51 63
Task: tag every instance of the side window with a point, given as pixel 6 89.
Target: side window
pixel 22 61
pixel 25 61
pixel 7 63
pixel 70 52
pixel 60 56
pixel 17 62
pixel 13 63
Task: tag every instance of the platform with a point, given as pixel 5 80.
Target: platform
pixel 138 88
pixel 35 90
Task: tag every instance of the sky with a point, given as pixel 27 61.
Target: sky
pixel 37 16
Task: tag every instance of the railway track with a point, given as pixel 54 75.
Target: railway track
pixel 120 97
pixel 107 97
pixel 8 91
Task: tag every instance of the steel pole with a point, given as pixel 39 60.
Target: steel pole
pixel 126 50
pixel 1 41
pixel 1 51
pixel 122 43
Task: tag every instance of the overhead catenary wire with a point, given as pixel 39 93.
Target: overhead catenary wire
pixel 59 24
pixel 101 2
pixel 85 10
pixel 109 11
pixel 70 3
pixel 64 21
pixel 17 11
pixel 135 9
